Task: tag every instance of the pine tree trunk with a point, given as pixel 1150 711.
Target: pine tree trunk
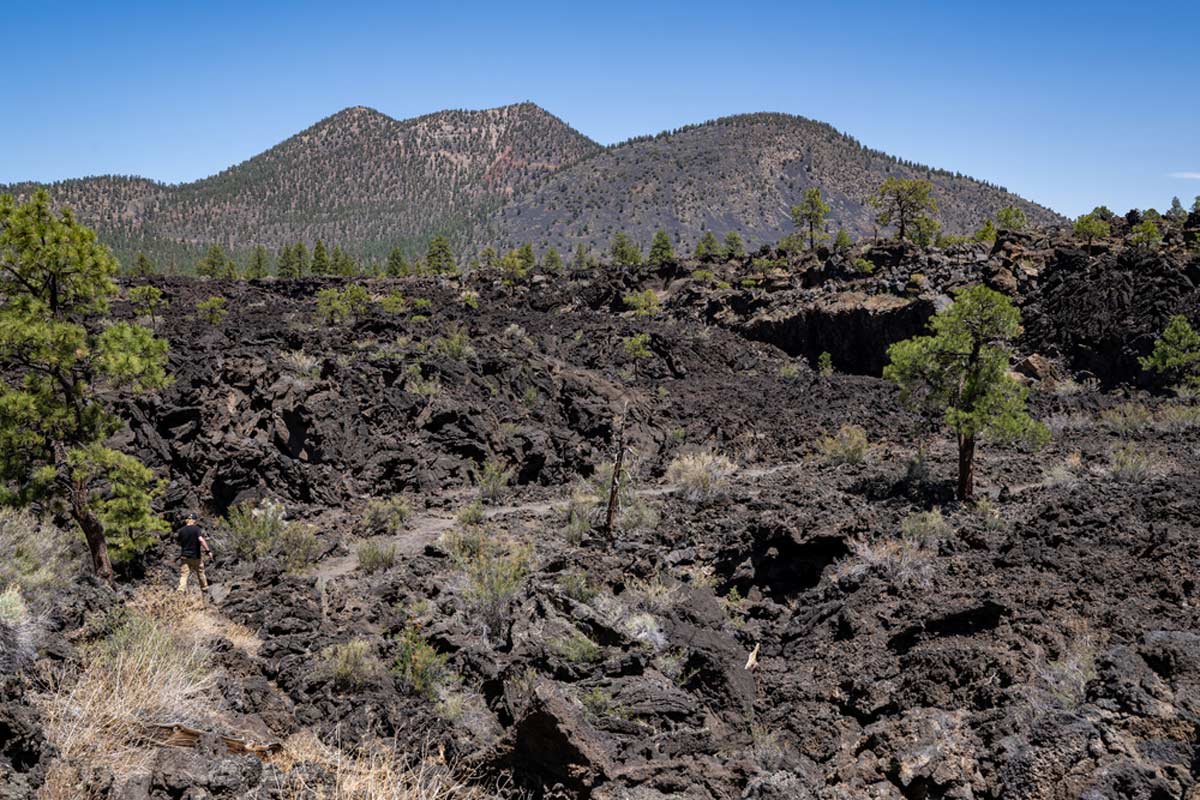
pixel 966 467
pixel 93 532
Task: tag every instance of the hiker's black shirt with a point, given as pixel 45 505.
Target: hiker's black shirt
pixel 189 541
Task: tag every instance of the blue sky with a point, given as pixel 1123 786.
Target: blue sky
pixel 1071 104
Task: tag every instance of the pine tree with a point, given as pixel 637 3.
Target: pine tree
pixel 624 252
pixel 320 260
pixel 1090 227
pixel 552 261
pixel 661 252
pixel 143 267
pixel 1176 214
pixel 842 242
pixel 438 256
pixel 987 233
pixel 62 363
pixel 260 263
pixel 580 260
pixel 488 258
pixel 961 373
pixel 397 267
pixel 1176 353
pixel 527 256
pixel 303 264
pixel 733 246
pixel 707 249
pixel 901 201
pixel 810 214
pixel 343 264
pixel 289 267
pixel 216 264
pixel 1011 218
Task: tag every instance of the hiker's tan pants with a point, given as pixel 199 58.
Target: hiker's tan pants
pixel 190 565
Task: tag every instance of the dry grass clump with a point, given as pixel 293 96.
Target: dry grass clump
pixel 494 577
pixel 350 665
pixel 926 528
pixel 374 557
pixel 1127 418
pixel 387 516
pixel 149 669
pixel 849 446
pixel 493 479
pixel 18 630
pixel 702 477
pixel 1062 681
pixel 901 562
pixel 377 771
pixel 1177 418
pixel 1130 463
pixel 34 555
pixel 422 668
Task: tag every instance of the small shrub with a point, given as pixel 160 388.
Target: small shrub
pixel 1127 418
pixel 901 562
pixel 863 267
pixel 825 364
pixel 387 516
pixel 577 586
pixel 17 631
pixel 493 479
pixel 599 704
pixel 393 302
pixel 415 382
pixel 455 345
pixel 251 529
pixel 848 447
pixel 1178 418
pixel 702 477
pixel 422 668
pixel 493 579
pixel 1130 464
pixel 297 546
pixel 642 304
pixel 374 557
pixel 469 299
pixel 925 527
pixel 466 544
pixel 212 310
pixel 577 648
pixel 301 363
pixel 471 514
pixel 789 371
pixel 37 556
pixel 350 665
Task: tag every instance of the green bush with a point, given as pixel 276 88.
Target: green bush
pixel 251 529
pixel 212 310
pixel 350 665
pixel 577 648
pixel 297 546
pixel 421 667
pixel 387 516
pixel 848 447
pixel 471 514
pixel 493 479
pixel 455 345
pixel 925 527
pixel 494 577
pixel 1130 463
pixel 374 557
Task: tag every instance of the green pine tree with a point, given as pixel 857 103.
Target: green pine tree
pixel 439 259
pixel 343 264
pixel 960 371
pixel 734 248
pixel 901 202
pixel 321 265
pixel 552 261
pixel 397 267
pixel 810 214
pixel 260 263
pixel 624 251
pixel 65 358
pixel 707 249
pixel 661 252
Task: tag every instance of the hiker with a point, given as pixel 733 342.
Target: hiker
pixel 191 542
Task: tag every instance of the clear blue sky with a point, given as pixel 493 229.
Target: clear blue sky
pixel 1071 104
